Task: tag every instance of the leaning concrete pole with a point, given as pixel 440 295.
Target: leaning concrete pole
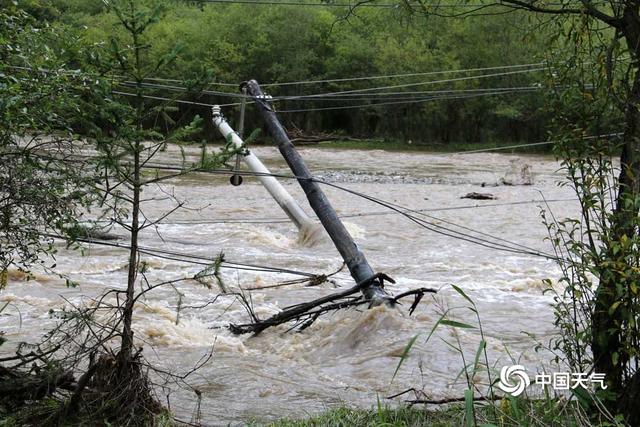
pixel 358 266
pixel 309 229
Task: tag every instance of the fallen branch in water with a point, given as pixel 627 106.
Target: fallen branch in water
pixel 306 313
pixel 316 280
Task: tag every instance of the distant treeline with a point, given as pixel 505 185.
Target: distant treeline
pixel 222 43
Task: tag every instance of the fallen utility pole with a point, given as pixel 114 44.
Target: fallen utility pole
pixel 370 283
pixel 308 228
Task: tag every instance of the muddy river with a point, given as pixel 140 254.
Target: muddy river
pixel 345 358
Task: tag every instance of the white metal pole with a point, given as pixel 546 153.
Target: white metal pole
pixel 309 229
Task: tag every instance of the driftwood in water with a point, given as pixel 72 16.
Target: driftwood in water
pixel 316 280
pixel 299 137
pixel 18 386
pixel 317 139
pixel 306 313
pixel 479 196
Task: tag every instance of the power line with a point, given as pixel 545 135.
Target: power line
pixel 378 104
pixel 192 259
pixel 284 220
pixel 506 246
pixel 437 228
pixel 320 97
pixel 404 95
pixel 304 82
pixel 495 242
pixel 533 144
pixel 347 96
pixel 406 85
pixel 432 92
pixel 410 101
pixel 131 84
pixel 389 76
pixel 373 77
pixel 352 91
pixel 159 98
pixel 434 227
pixel 428 82
pixel 397 86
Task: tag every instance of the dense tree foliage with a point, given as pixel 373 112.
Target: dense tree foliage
pixel 277 44
pixel 40 191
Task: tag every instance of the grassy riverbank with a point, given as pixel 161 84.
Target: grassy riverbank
pixel 551 412
pixel 506 413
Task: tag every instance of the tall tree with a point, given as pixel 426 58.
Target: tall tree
pixel 602 30
pixel 127 142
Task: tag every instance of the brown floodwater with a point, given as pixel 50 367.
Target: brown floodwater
pixel 348 357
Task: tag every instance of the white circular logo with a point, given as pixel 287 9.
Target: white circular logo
pixel 522 380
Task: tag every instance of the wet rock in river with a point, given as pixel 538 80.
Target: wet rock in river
pixel 518 174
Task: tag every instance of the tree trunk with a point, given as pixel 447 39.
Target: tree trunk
pixel 606 326
pixel 126 348
pixel 629 403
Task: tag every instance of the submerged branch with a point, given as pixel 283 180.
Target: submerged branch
pixel 306 313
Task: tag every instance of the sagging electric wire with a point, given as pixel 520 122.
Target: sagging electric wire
pixel 371 89
pixel 322 96
pixel 374 77
pixel 395 96
pixel 80 73
pixel 375 104
pixel 394 76
pixel 190 259
pixel 284 220
pixel 436 228
pixel 508 247
pixel 533 144
pixel 380 104
pixel 407 213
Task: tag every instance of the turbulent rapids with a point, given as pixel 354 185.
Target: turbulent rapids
pixel 346 358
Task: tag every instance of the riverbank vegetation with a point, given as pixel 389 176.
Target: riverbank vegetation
pixel 121 79
pixel 221 45
pixel 512 413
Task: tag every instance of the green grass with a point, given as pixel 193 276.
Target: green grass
pixel 404 416
pixel 506 413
